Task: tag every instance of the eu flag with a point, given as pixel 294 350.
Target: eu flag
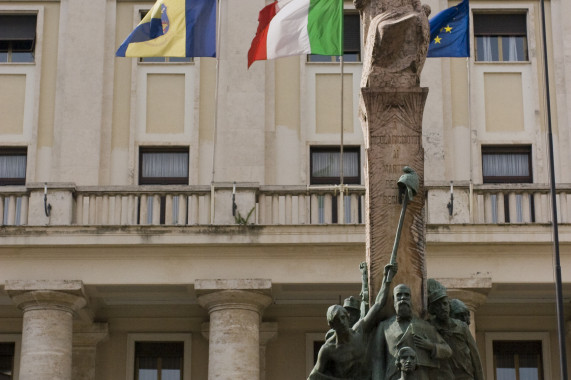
pixel 449 32
pixel 174 28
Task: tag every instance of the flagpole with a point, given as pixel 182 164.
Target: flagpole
pixel 557 263
pixel 471 184
pixel 341 164
pixel 215 129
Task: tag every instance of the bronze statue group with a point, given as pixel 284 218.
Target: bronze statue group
pixel 364 346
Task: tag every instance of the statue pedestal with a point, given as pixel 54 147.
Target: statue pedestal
pixel 393 139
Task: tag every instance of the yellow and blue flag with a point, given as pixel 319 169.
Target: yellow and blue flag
pixel 174 28
pixel 449 32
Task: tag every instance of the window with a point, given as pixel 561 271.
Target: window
pixel 12 166
pixel 7 350
pixel 163 166
pixel 506 164
pixel 518 360
pixel 313 343
pixel 158 360
pixel 325 168
pixel 351 41
pixel 162 59
pixel 17 38
pixel 158 356
pixel 500 37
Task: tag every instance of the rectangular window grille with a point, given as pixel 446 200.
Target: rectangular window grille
pixel 351 41
pixel 500 37
pixel 17 38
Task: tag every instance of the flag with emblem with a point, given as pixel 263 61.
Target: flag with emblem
pixel 174 28
pixel 449 32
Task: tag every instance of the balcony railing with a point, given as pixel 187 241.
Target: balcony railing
pixel 266 205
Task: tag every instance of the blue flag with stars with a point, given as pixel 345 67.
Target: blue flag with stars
pixel 449 32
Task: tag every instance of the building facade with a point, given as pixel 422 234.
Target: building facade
pixel 158 223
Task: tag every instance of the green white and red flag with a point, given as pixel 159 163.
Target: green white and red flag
pixel 295 27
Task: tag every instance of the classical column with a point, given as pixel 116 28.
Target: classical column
pixel 268 331
pixel 85 340
pixel 47 329
pixel 473 300
pixel 235 308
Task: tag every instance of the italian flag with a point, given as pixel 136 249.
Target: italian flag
pixel 295 27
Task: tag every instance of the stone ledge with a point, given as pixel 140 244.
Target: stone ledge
pixel 212 285
pixel 15 287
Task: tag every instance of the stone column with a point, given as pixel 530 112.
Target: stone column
pixel 473 300
pixel 85 340
pixel 235 308
pixel 47 329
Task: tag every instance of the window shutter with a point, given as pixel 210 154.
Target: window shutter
pixel 17 27
pixel 488 24
pixel 352 33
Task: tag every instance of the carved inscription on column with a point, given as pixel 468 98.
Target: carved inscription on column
pixel 393 140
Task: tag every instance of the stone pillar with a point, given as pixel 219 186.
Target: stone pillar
pixel 473 300
pixel 85 340
pixel 268 331
pixel 235 308
pixel 393 140
pixel 47 329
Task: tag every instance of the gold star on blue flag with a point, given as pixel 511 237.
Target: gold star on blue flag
pixel 449 32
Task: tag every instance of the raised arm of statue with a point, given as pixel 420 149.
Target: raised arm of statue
pixel 373 317
pixel 364 289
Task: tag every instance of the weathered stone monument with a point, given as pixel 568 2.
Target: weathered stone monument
pixel 392 103
pixel 396 341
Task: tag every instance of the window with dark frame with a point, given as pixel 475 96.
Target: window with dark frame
pixel 325 170
pixel 159 360
pixel 17 38
pixel 143 13
pixel 13 162
pixel 163 166
pixel 518 360
pixel 351 41
pixel 500 37
pixel 508 164
pixel 7 360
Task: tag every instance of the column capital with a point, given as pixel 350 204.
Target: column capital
pixel 251 294
pixel 46 294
